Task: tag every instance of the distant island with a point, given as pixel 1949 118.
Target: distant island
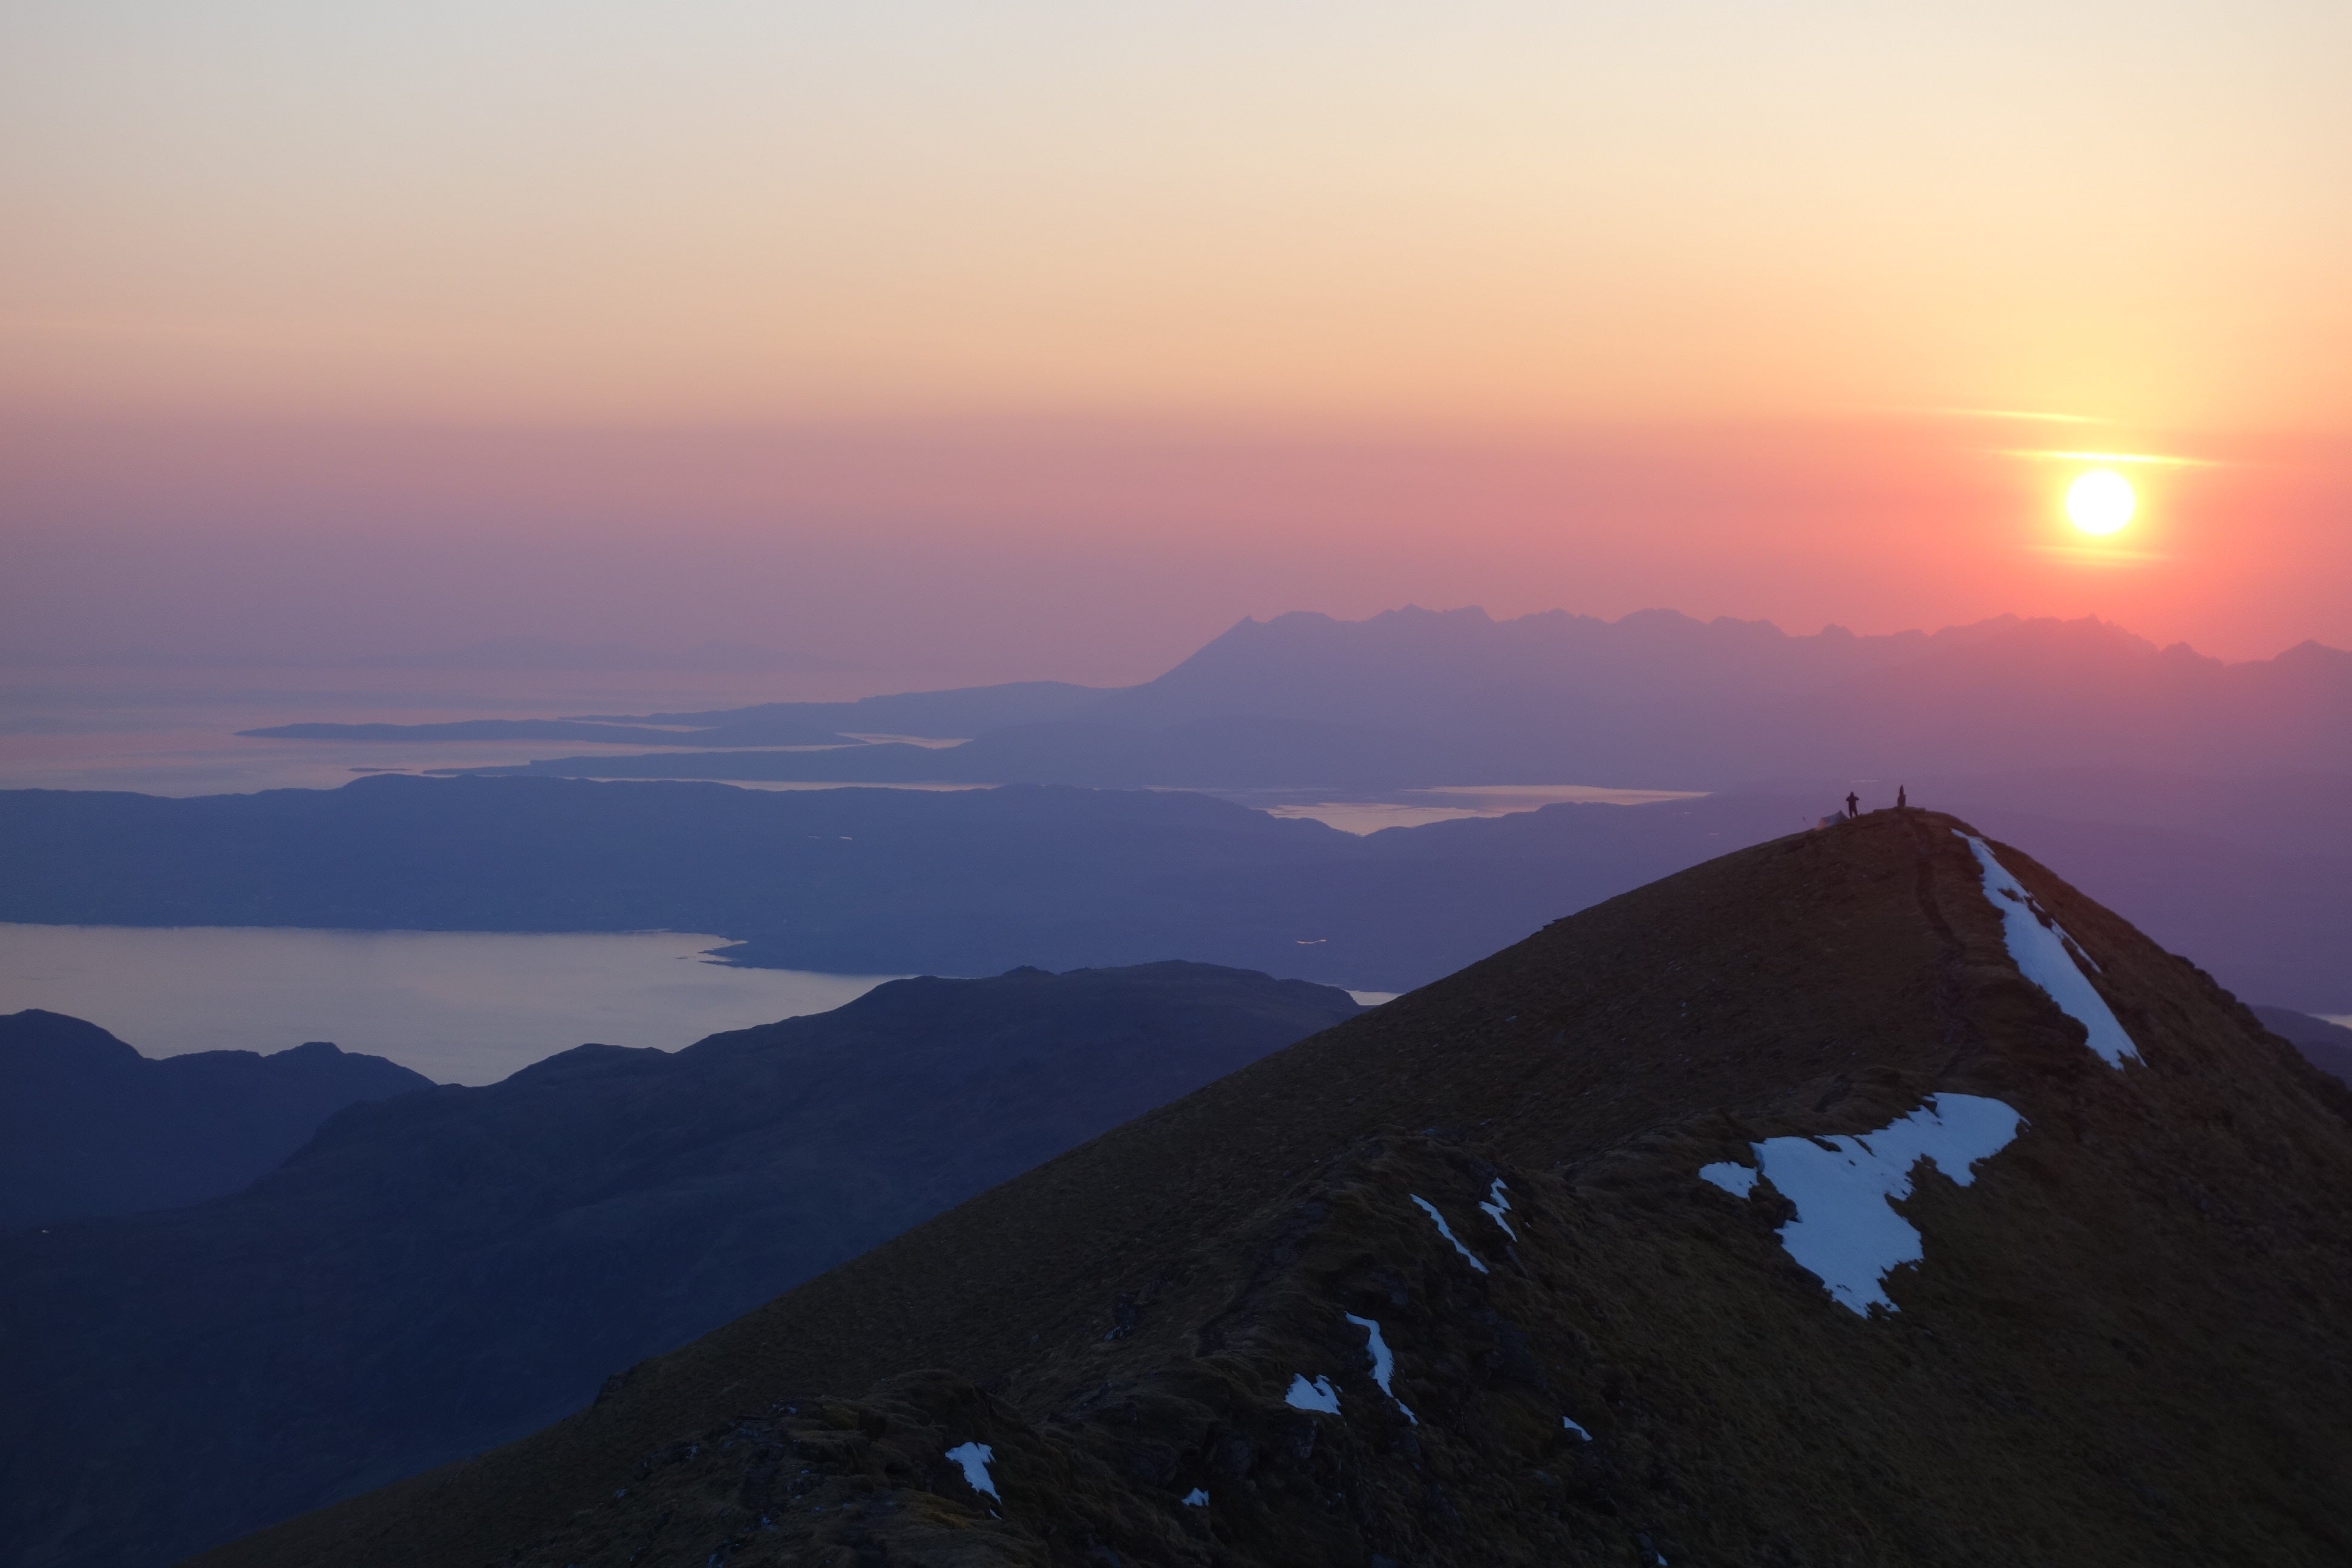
pixel 873 881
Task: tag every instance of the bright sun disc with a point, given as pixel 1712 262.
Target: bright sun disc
pixel 2100 502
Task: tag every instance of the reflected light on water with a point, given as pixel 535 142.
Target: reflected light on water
pixel 457 1006
pixel 1451 803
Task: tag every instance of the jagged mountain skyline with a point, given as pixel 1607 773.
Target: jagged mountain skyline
pixel 1414 697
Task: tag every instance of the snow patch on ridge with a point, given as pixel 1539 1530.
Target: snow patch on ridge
pixel 2046 955
pixel 1383 1364
pixel 1737 1180
pixel 1317 1395
pixel 973 1459
pixel 1446 1231
pixel 1846 1232
pixel 1497 1204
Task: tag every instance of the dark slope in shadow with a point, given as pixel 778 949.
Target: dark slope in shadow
pixel 88 1126
pixel 437 1273
pixel 2124 1342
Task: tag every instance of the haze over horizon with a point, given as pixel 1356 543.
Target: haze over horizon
pixel 1051 344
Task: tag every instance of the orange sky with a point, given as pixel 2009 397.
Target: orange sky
pixel 1221 310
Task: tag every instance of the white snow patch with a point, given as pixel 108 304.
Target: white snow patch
pixel 2046 955
pixel 1575 1428
pixel 1846 1231
pixel 1497 1204
pixel 1317 1395
pixel 1737 1180
pixel 974 1458
pixel 1446 1231
pixel 1196 1498
pixel 1383 1364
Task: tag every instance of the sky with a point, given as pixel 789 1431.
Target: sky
pixel 1048 340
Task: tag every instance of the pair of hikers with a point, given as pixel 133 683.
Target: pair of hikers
pixel 1853 801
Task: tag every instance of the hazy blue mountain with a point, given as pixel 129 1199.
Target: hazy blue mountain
pixel 88 1126
pixel 1655 699
pixel 435 1274
pixel 1460 669
pixel 973 882
pixel 1662 700
pixel 1713 701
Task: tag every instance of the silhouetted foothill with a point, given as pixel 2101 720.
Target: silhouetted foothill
pixel 1866 1197
pixel 438 1273
pixel 88 1126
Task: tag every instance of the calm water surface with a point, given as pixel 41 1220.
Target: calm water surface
pixel 457 1006
pixel 1444 802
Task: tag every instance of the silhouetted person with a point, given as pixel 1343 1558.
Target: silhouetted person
pixel 1852 806
pixel 1902 797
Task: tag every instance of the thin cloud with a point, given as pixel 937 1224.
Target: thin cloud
pixel 2145 459
pixel 2032 415
pixel 2098 555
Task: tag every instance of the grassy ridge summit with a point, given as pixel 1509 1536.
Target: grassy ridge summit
pixel 441 1272
pixel 1446 1284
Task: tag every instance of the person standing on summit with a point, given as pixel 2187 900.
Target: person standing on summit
pixel 1902 797
pixel 1852 806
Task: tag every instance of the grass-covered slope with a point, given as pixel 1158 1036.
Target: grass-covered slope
pixel 2125 1340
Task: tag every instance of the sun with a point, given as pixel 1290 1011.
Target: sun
pixel 2100 501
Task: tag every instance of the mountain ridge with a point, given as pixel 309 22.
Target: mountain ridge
pixel 89 1127
pixel 433 1274
pixel 2125 1343
pixel 1655 699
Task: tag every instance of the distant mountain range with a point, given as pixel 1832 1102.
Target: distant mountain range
pixel 975 882
pixel 442 1271
pixel 1416 698
pixel 1868 1197
pixel 88 1126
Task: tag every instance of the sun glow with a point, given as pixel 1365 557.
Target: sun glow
pixel 2100 501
